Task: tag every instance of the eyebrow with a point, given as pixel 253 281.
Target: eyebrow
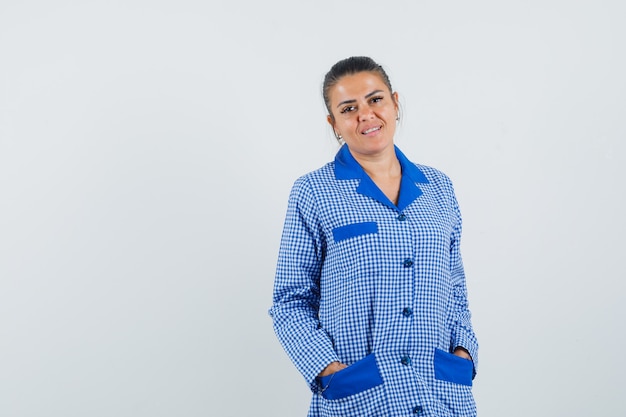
pixel 354 101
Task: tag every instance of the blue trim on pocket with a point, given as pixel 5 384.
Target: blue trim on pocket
pixel 358 377
pixel 355 229
pixel 452 368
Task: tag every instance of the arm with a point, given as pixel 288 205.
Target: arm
pixel 296 296
pixel 463 339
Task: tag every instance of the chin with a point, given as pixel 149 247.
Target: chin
pixel 380 145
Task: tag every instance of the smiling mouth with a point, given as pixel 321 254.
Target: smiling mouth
pixel 371 129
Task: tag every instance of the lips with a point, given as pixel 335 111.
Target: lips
pixel 371 130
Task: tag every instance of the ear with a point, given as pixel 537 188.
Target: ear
pixel 395 99
pixel 330 120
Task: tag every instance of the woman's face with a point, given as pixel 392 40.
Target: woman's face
pixel 365 113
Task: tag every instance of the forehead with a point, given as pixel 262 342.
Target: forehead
pixel 356 86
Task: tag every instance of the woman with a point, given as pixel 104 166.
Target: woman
pixel 369 299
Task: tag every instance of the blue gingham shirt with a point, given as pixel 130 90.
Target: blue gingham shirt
pixel 379 287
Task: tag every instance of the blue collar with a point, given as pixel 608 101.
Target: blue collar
pixel 347 168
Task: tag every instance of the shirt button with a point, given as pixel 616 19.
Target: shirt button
pixel 405 360
pixel 408 263
pixel 401 217
pixel 418 409
pixel 408 312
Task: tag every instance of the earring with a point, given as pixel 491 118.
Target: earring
pixel 339 137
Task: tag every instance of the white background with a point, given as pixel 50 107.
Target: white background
pixel 147 149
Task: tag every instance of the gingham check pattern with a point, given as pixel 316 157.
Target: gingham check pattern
pixel 396 288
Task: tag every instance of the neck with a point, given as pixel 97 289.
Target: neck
pixel 383 165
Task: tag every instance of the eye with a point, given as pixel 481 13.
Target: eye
pixel 347 109
pixel 376 99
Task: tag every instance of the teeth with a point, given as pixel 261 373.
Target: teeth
pixel 371 130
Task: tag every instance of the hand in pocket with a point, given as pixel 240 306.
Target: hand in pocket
pixel 358 377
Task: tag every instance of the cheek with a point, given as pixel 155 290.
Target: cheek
pixel 345 124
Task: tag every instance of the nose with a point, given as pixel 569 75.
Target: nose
pixel 365 113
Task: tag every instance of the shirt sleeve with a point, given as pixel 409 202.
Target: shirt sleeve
pixel 462 332
pixel 296 298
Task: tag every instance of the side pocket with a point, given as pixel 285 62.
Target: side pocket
pixel 358 377
pixel 452 368
pixel 355 229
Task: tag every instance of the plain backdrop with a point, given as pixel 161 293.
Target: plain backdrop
pixel 147 150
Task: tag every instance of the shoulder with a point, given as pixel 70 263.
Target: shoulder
pixel 439 184
pixel 320 178
pixel 309 188
pixel 423 174
pixel 434 175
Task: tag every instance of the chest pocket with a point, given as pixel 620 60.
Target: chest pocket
pixel 353 230
pixel 354 251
